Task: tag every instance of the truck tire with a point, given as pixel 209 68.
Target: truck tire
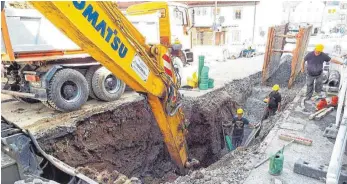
pixel 106 86
pixel 67 90
pixel 26 100
pixel 89 76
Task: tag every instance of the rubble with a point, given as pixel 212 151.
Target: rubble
pixel 127 139
pixel 106 177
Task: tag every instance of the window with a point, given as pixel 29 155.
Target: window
pixel 343 6
pixel 198 11
pixel 237 14
pixel 235 37
pixel 214 11
pixel 204 11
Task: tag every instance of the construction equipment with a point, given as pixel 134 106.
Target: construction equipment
pixel 35 52
pixel 299 140
pixel 22 160
pixel 102 30
pixel 276 163
pixel 266 159
pixel 321 113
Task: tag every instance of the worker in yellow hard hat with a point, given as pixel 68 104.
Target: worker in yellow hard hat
pixel 239 122
pixel 315 60
pixel 273 102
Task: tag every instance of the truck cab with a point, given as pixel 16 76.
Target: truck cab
pixel 167 23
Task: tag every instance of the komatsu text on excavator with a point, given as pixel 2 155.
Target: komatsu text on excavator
pixel 101 29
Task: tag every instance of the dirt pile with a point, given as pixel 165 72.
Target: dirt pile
pixel 106 177
pixel 230 169
pixel 206 115
pixel 235 166
pixel 282 75
pixel 128 139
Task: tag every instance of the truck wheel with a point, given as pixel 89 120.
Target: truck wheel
pixel 26 100
pixel 67 90
pixel 106 86
pixel 89 77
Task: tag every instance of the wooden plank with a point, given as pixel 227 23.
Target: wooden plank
pixel 282 51
pixel 286 36
pixel 267 54
pixel 297 139
pixel 274 50
pixel 299 53
pixel 324 113
pixel 311 117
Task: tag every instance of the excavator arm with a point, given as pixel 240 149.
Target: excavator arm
pixel 100 28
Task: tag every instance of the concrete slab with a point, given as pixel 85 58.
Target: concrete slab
pixel 293 126
pixel 319 153
pixel 27 115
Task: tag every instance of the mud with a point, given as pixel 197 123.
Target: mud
pixel 127 139
pixel 234 167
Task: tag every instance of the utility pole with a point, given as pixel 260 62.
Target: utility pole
pixel 215 23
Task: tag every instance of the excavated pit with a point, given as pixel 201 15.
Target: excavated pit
pixel 128 139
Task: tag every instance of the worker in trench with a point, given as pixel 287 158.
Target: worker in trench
pixel 238 124
pixel 314 78
pixel 273 102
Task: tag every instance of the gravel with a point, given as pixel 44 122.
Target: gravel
pixel 235 166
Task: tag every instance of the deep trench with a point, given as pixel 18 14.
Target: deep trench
pixel 128 139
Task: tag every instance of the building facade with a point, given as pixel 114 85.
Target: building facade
pixel 227 24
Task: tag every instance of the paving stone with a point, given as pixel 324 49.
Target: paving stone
pixel 292 126
pixel 331 131
pixel 316 171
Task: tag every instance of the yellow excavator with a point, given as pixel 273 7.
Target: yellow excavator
pixel 101 29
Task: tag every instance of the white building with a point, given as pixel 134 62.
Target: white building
pixel 236 23
pixel 304 12
pixel 334 16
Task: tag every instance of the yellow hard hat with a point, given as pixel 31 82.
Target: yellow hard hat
pixel 319 47
pixel 276 87
pixel 239 111
pixel 177 41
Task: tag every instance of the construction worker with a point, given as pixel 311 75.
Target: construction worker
pixel 274 102
pixel 315 60
pixel 239 122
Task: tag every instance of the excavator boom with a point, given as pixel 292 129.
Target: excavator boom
pixel 100 28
